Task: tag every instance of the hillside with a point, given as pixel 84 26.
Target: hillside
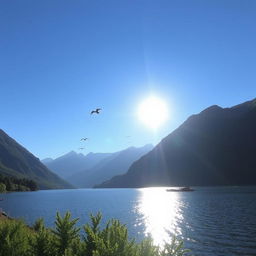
pixel 72 163
pixel 214 147
pixel 18 162
pixel 117 163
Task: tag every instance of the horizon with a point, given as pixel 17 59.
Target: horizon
pixel 85 154
pixel 61 60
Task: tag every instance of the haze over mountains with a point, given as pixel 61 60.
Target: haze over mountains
pixel 72 162
pixel 214 147
pixel 115 164
pixel 94 168
pixel 16 161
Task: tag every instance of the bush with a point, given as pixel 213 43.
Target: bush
pixel 14 238
pixel 17 239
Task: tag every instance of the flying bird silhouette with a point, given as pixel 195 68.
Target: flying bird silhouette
pixel 84 139
pixel 81 148
pixel 96 111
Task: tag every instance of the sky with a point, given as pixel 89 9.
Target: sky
pixel 59 59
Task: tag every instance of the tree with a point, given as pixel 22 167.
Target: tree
pixel 42 244
pixel 65 232
pixel 2 188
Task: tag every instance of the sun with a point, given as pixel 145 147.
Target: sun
pixel 153 112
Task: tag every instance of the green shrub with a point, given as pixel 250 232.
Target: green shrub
pixel 17 239
pixel 65 233
pixel 14 238
pixel 42 242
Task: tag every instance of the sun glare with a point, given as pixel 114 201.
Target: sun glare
pixel 153 112
pixel 161 212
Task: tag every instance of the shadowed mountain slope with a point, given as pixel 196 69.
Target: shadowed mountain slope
pixel 117 163
pixel 16 161
pixel 214 147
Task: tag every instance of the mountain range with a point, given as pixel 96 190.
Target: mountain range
pixel 215 147
pixel 72 163
pixel 18 162
pixel 115 164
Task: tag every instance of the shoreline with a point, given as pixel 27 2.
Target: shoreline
pixel 4 215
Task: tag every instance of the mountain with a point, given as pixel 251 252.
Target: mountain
pixel 18 162
pixel 46 160
pixel 214 147
pixel 72 163
pixel 117 163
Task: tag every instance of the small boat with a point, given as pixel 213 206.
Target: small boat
pixel 183 189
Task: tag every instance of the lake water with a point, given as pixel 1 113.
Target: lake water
pixel 212 221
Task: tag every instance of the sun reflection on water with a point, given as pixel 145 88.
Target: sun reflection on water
pixel 161 213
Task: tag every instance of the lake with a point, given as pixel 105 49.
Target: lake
pixel 213 221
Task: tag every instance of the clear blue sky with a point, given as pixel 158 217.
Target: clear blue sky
pixel 59 59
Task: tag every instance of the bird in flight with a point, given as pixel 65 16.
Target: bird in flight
pixel 96 111
pixel 81 148
pixel 84 139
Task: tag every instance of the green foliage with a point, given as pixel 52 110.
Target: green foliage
pixel 65 232
pixel 14 238
pixel 42 242
pixel 92 233
pixel 39 224
pixel 17 239
pixel 17 184
pixel 2 188
pixel 113 240
pixel 175 248
pixel 147 248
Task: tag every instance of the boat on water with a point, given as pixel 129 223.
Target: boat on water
pixel 182 189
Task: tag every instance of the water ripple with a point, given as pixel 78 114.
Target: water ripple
pixel 212 221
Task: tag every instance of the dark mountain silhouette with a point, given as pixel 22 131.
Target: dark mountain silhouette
pixel 117 163
pixel 72 163
pixel 18 162
pixel 214 147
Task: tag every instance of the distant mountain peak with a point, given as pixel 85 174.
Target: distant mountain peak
pixel 212 108
pixel 113 164
pixel 74 162
pixel 71 153
pixel 149 145
pixel 90 153
pixel 46 160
